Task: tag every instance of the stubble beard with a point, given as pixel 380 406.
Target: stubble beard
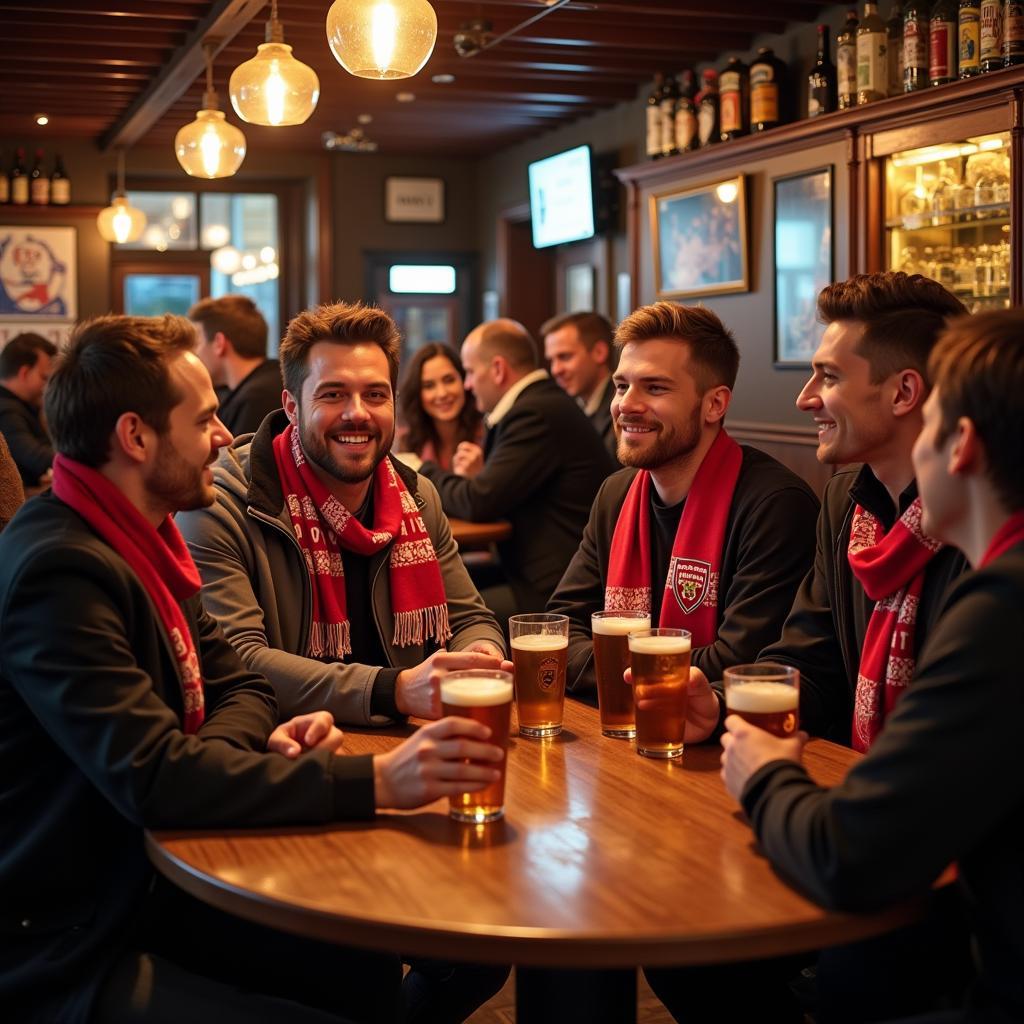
pixel 668 446
pixel 316 450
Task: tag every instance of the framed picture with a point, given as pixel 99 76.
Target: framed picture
pixel 700 240
pixel 804 261
pixel 38 282
pixel 414 200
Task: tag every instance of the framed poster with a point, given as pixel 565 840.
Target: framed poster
pixel 414 200
pixel 700 240
pixel 804 262
pixel 38 282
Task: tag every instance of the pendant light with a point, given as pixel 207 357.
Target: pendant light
pixel 209 147
pixel 381 38
pixel 120 222
pixel 273 88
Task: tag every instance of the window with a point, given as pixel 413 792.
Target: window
pixel 421 279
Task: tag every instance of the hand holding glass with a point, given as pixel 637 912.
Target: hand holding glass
pixel 765 695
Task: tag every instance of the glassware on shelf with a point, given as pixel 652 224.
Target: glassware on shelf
pixel 944 194
pixel 914 202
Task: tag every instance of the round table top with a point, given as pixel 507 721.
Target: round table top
pixel 604 858
pixel 479 535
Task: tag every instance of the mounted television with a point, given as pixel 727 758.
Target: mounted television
pixel 562 198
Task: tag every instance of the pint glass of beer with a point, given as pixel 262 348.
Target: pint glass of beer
pixel 486 697
pixel 611 659
pixel 540 644
pixel 766 695
pixel 660 659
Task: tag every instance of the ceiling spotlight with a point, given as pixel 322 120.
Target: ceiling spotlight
pixel 42 119
pixel 442 79
pixel 473 36
pixel 405 97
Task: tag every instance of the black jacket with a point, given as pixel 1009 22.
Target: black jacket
pixel 824 632
pixel 942 783
pixel 544 464
pixel 92 752
pixel 601 420
pixel 243 410
pixel 768 546
pixel 26 437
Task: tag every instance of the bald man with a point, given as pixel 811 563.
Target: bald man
pixel 540 467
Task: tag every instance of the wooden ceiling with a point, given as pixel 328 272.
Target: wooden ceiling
pixel 130 71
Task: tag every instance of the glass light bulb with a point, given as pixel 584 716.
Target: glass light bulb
pixel 120 222
pixel 381 38
pixel 209 147
pixel 273 88
pixel 384 27
pixel 122 225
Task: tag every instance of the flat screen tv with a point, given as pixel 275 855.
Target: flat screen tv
pixel 562 198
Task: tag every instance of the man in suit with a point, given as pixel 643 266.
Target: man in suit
pixel 540 467
pixel 25 363
pixel 578 348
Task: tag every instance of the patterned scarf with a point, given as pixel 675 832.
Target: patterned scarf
pixel 890 567
pixel 691 587
pixel 323 526
pixel 158 557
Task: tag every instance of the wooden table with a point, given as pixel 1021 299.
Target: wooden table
pixel 479 535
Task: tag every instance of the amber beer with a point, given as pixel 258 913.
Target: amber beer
pixel 660 660
pixel 766 695
pixel 485 697
pixel 611 659
pixel 540 645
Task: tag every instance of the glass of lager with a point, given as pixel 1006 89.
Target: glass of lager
pixel 660 660
pixel 611 658
pixel 540 644
pixel 766 695
pixel 486 697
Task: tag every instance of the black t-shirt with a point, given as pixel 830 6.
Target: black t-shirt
pixel 664 523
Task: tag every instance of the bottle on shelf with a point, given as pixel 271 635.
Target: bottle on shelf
pixel 39 183
pixel 708 130
pixel 734 99
pixel 653 114
pixel 942 50
pixel 1013 33
pixel 872 56
pixel 19 180
pixel 667 106
pixel 846 62
pixel 991 35
pixel 894 32
pixel 686 114
pixel 821 82
pixel 767 91
pixel 60 184
pixel 5 184
pixel 968 34
pixel 916 28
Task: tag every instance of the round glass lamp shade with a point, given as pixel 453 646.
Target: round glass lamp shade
pixel 209 147
pixel 381 38
pixel 120 222
pixel 273 88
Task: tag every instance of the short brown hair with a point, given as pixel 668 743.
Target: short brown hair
pixel 590 327
pixel 237 317
pixel 113 365
pixel 903 315
pixel 713 351
pixel 346 323
pixel 977 366
pixel 23 350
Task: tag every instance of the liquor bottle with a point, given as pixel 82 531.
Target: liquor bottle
pixel 894 31
pixel 846 62
pixel 991 34
pixel 942 43
pixel 708 131
pixel 60 184
pixel 39 183
pixel 821 82
pixel 968 34
pixel 734 99
pixel 916 28
pixel 1013 33
pixel 667 106
pixel 5 185
pixel 686 114
pixel 653 146
pixel 872 56
pixel 767 91
pixel 19 180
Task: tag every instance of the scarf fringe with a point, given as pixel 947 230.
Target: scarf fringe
pixel 330 640
pixel 412 627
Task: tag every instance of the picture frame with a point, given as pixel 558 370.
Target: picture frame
pixel 414 200
pixel 803 255
pixel 699 237
pixel 38 275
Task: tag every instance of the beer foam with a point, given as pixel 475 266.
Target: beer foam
pixel 475 691
pixel 615 625
pixel 540 642
pixel 763 697
pixel 659 644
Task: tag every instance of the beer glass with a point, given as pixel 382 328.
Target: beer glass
pixel 611 658
pixel 486 697
pixel 540 644
pixel 660 660
pixel 766 695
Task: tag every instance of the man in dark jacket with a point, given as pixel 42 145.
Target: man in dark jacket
pixel 25 363
pixel 122 707
pixel 942 782
pixel 540 466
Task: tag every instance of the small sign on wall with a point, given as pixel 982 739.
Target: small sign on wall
pixel 414 200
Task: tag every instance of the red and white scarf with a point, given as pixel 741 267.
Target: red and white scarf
pixel 158 557
pixel 890 567
pixel 323 526
pixel 691 586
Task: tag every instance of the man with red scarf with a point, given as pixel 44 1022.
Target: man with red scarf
pixel 123 707
pixel 941 783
